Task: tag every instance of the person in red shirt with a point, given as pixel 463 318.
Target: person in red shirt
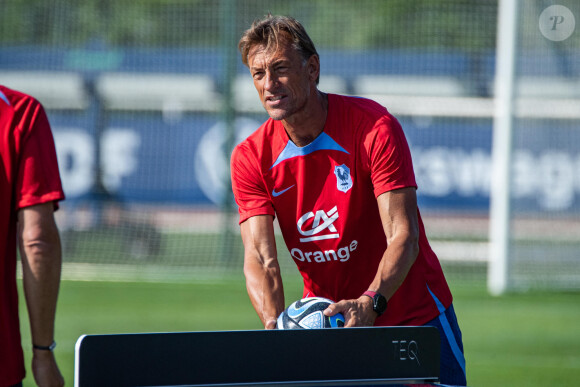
pixel 337 173
pixel 30 189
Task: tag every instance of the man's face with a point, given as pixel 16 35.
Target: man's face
pixel 282 78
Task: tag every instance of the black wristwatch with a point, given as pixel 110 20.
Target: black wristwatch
pixel 379 301
pixel 45 347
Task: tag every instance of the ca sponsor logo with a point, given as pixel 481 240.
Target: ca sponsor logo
pixel 322 226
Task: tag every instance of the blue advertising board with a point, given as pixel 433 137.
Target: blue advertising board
pixel 148 158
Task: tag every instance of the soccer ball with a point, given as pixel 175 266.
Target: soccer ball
pixel 307 314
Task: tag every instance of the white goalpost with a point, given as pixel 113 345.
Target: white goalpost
pixel 499 232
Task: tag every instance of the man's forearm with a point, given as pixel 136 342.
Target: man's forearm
pixel 394 267
pixel 41 281
pixel 261 268
pixel 399 216
pixel 266 292
pixel 41 267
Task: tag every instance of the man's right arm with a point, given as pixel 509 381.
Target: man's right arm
pixel 261 268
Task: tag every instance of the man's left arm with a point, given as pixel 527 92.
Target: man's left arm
pixel 41 268
pixel 398 210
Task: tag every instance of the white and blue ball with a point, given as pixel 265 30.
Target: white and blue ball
pixel 307 314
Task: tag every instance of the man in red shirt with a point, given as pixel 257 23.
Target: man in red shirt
pixel 30 189
pixel 338 174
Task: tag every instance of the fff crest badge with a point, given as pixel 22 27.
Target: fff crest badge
pixel 343 179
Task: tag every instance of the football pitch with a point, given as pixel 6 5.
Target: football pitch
pixel 530 339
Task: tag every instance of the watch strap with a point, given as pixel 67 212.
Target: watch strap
pixel 45 347
pixel 379 301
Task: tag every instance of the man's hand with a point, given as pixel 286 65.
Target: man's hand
pixel 357 312
pixel 45 370
pixel 270 324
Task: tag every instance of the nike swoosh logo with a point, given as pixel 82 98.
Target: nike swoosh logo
pixel 276 194
pixel 293 311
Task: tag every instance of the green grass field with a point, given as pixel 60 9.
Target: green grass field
pixel 530 339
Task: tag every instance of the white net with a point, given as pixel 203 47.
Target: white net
pixel 546 192
pixel 147 98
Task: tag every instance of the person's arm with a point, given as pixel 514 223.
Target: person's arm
pixel 40 252
pixel 261 268
pixel 398 210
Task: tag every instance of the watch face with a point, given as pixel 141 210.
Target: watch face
pixel 380 303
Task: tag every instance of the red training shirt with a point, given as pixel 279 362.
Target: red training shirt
pixel 28 176
pixel 324 196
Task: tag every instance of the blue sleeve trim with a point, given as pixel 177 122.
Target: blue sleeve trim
pixel 4 98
